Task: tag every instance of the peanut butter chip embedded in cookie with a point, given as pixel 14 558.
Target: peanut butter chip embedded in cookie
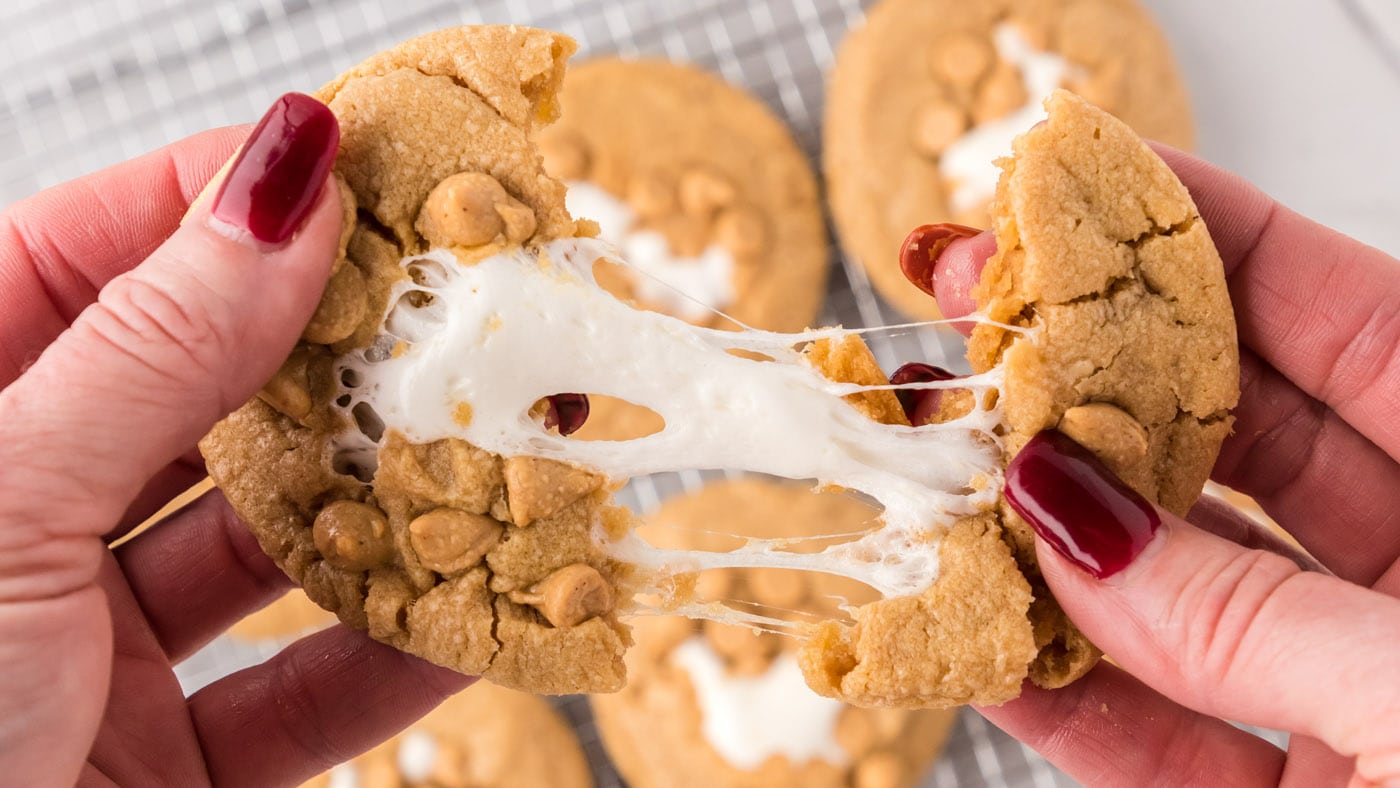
pixel 289 391
pixel 448 541
pixel 566 155
pixel 742 231
pixel 961 58
pixel 343 305
pixel 473 209
pixel 353 536
pixel 881 770
pixel 704 191
pixel 1108 431
pixel 569 596
pixel 537 487
pixel 937 125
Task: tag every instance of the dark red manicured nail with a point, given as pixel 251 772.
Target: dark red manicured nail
pixel 274 182
pixel 923 246
pixel 1078 506
pixel 919 404
pixel 568 412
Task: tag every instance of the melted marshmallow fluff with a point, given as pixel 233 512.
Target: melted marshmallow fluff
pixel 748 719
pixel 514 328
pixel 689 287
pixel 969 163
pixel 418 752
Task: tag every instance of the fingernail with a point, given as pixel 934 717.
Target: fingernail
pixel 919 404
pixel 277 176
pixel 1078 506
pixel 923 246
pixel 568 412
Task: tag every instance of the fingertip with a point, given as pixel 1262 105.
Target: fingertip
pixel 957 271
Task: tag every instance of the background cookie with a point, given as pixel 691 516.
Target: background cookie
pixel 291 616
pixel 929 92
pixel 715 705
pixel 674 162
pixel 483 737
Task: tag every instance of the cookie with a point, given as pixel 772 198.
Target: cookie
pixel 699 185
pixel 484 564
pixel 1113 323
pixel 411 464
pixel 484 737
pixel 291 616
pixel 928 93
pixel 714 705
pixel 705 193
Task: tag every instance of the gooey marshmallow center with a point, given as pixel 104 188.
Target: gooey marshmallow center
pixel 521 325
pixel 689 287
pixel 748 719
pixel 970 162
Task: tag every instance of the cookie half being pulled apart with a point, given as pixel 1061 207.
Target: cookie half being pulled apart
pixel 410 465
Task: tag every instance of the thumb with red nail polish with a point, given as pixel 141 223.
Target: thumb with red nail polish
pixel 1227 631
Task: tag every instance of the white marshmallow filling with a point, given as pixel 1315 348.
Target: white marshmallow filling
pixel 509 330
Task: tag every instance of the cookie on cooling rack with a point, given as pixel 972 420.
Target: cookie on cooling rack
pixel 483 737
pixel 718 706
pixel 699 185
pixel 928 93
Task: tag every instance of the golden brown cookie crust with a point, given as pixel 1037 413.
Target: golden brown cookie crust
pixel 1129 343
pixel 917 64
pixel 701 162
pixel 652 728
pixel 485 736
pixel 447 550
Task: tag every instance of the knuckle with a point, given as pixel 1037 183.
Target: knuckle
pixel 1224 616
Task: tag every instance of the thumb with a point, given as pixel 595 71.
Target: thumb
pixel 173 345
pixel 1237 633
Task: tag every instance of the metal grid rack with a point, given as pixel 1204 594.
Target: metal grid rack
pixel 124 76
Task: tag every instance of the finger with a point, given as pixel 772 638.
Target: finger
pixel 1217 517
pixel 168 349
pixel 1229 632
pixel 1287 450
pixel 1299 299
pixel 1086 728
pixel 197 574
pixel 61 246
pixel 955 273
pixel 321 701
pixel 178 478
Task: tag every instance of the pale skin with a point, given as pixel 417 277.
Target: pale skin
pixel 102 400
pixel 1201 626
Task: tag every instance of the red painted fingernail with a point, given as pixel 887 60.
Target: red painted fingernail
pixel 568 412
pixel 923 246
pixel 919 404
pixel 272 185
pixel 1078 506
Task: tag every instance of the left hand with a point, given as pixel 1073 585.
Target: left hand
pixel 123 337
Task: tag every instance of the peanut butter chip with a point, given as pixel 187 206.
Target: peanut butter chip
pixel 855 731
pixel 353 536
pixel 704 191
pixel 1002 93
pixel 536 487
pixel 937 125
pixel 1108 431
pixel 473 209
pixel 569 596
pixel 448 541
pixel 747 651
pixel 961 58
pixel 652 194
pixel 880 770
pixel 565 156
pixel 782 588
pixel 343 305
pixel 742 231
pixel 289 391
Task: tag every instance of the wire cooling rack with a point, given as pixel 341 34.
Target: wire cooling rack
pixel 91 82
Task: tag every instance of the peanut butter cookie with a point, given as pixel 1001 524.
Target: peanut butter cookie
pixel 1114 324
pixel 483 737
pixel 718 706
pixel 928 93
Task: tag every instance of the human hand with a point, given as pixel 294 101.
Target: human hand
pixel 122 340
pixel 1215 617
